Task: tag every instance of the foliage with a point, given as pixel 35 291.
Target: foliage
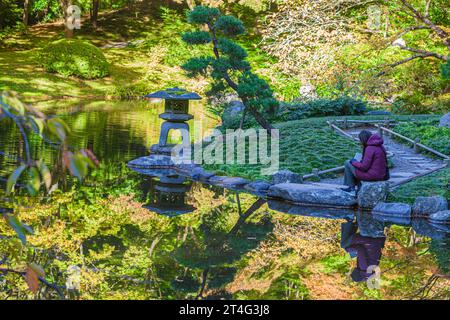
pixel 445 70
pixel 228 68
pixel 435 184
pixel 341 106
pixel 34 175
pixel 353 41
pixel 289 111
pixel 11 14
pixel 429 133
pixel 74 58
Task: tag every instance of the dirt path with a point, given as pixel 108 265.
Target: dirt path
pixel 407 163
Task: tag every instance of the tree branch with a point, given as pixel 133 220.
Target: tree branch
pixel 438 30
pixel 45 282
pixel 393 65
pixel 423 52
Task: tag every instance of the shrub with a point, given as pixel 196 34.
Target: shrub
pixel 74 58
pixel 429 133
pixel 342 106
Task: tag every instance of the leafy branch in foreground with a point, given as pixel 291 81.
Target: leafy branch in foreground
pixel 228 66
pixel 34 175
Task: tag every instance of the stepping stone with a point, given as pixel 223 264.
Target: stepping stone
pixel 310 194
pixel 327 185
pixel 401 175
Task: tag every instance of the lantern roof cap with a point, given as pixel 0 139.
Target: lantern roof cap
pixel 174 94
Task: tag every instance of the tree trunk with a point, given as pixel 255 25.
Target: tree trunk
pixel 26 13
pixel 94 16
pixel 68 31
pixel 260 118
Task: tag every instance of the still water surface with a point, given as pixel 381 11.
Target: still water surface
pixel 163 237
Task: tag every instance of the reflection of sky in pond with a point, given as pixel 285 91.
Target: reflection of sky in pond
pixel 169 238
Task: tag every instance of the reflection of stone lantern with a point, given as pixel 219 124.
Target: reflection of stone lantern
pixel 168 196
pixel 176 115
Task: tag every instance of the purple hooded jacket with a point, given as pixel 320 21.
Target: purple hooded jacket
pixel 373 165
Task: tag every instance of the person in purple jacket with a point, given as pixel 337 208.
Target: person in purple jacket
pixel 367 250
pixel 373 166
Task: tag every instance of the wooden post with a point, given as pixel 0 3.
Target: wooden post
pixel 380 131
pixel 315 172
pixel 416 147
pixel 345 124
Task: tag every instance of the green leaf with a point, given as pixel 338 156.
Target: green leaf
pixel 34 181
pixel 20 228
pixel 45 174
pixel 78 166
pixel 12 180
pixel 58 128
pixel 38 124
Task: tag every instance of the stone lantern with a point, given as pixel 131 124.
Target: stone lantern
pixel 168 196
pixel 176 115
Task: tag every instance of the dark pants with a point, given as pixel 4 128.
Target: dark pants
pixel 350 175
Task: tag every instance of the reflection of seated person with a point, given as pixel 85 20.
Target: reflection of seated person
pixel 367 250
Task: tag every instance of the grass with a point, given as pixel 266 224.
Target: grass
pixel 308 144
pixel 434 184
pixel 304 145
pixel 135 69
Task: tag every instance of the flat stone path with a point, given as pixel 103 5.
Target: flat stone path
pixel 407 163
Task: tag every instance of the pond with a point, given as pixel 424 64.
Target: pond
pixel 122 235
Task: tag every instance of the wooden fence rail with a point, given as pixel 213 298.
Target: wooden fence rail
pixel 415 143
pixel 317 173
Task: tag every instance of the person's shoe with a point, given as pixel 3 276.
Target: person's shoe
pixel 351 190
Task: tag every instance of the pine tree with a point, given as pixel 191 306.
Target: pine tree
pixel 228 66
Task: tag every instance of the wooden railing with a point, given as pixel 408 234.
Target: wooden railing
pixel 381 130
pixel 416 143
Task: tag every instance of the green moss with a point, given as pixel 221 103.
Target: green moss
pixel 431 185
pixel 304 146
pixel 74 58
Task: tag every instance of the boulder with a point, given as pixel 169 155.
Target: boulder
pixel 259 186
pixel 394 209
pixel 312 195
pixel 371 193
pixel 445 121
pixel 424 206
pixel 441 217
pixel 286 176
